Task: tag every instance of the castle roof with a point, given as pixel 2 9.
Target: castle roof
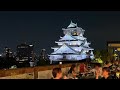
pixel 72 25
pixel 65 49
pixel 79 37
pixel 67 37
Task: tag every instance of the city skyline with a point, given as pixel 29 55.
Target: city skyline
pixel 43 28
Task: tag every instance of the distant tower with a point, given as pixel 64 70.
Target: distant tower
pixel 43 54
pixel 24 53
pixel 43 59
pixel 8 52
pixel 73 46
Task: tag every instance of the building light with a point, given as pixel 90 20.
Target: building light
pixel 30 45
pixel 43 49
pixel 116 50
pixel 60 62
pixel 10 52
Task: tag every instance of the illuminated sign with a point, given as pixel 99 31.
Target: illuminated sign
pixel 114 45
pixel 118 49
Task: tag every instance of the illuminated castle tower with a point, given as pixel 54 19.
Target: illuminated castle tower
pixel 73 46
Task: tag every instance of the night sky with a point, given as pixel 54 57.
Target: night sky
pixel 43 28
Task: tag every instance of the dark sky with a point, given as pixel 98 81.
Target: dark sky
pixel 43 28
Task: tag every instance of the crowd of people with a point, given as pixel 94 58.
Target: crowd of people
pixel 108 70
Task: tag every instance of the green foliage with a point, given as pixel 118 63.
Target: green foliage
pixel 97 53
pixel 42 62
pixel 98 60
pixel 103 54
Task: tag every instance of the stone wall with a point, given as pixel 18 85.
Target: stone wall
pixel 20 76
pixel 41 72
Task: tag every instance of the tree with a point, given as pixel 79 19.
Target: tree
pixel 43 58
pixel 103 54
pixel 43 62
pixel 97 53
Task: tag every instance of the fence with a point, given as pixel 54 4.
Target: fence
pixel 41 72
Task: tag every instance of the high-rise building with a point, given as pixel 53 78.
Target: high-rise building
pixel 113 48
pixel 24 53
pixel 43 54
pixel 73 46
pixel 43 58
pixel 8 52
pixel 8 58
